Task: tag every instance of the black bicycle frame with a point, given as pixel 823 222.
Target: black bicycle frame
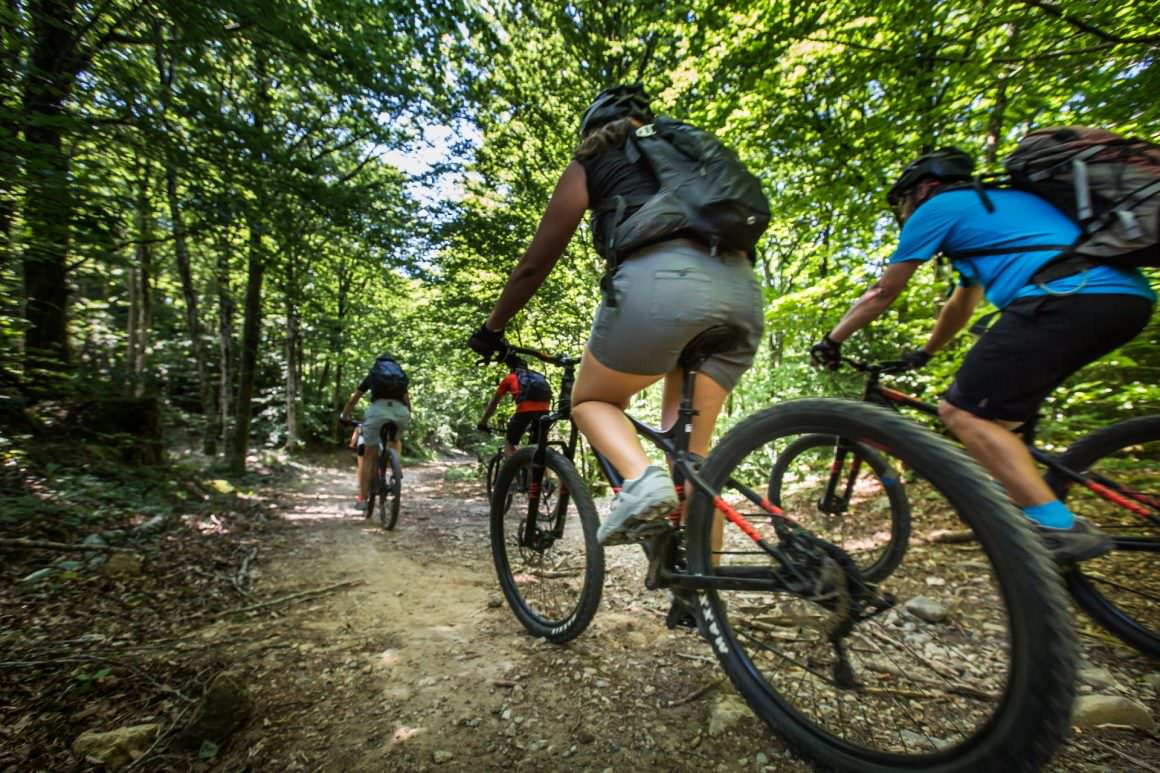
pixel 661 551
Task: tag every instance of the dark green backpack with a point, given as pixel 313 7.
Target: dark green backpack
pixel 704 190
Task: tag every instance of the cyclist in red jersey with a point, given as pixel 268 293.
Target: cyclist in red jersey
pixel 533 399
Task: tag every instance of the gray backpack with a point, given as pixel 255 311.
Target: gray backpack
pixel 1108 184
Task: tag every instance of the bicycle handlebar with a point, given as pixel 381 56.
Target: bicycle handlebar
pixel 885 367
pixel 559 360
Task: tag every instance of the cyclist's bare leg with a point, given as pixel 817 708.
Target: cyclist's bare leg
pixel 1002 452
pixel 708 397
pixel 508 449
pixel 370 464
pixel 598 401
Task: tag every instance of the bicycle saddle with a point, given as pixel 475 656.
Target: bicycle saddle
pixel 706 344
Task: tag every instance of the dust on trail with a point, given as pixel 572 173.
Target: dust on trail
pixel 421 665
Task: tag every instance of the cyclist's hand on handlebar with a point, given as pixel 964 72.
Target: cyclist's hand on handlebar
pixel 489 344
pixel 826 353
pixel 913 360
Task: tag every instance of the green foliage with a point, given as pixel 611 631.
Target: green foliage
pixel 219 149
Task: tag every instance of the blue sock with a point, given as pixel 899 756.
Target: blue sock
pixel 1053 514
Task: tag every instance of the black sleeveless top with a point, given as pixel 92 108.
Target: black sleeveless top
pixel 611 174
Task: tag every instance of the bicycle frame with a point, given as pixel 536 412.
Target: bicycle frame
pixel 663 550
pixel 1136 502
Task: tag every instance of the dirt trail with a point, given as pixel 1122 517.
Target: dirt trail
pixel 421 666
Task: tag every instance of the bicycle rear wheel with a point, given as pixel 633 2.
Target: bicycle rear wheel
pixel 858 504
pixel 1118 590
pixel 970 666
pixel 543 543
pixel 392 490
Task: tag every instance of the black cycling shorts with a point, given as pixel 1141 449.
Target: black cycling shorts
pixel 1036 344
pixel 521 423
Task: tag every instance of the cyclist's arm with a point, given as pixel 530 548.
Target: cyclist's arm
pixel 351 403
pixel 490 409
pixel 955 315
pixel 875 300
pixel 565 208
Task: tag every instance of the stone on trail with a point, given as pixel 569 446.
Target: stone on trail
pixel 123 564
pixel 116 748
pixel 926 609
pixel 1096 710
pixel 225 707
pixel 726 712
pixel 1098 677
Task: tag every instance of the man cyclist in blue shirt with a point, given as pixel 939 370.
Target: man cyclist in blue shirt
pixel 1047 331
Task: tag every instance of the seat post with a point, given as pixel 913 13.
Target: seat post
pixel 685 411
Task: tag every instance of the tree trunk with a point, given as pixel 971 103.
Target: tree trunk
pixel 251 329
pixel 338 399
pixel 225 341
pixel 293 376
pixel 140 289
pixel 10 53
pixel 205 393
pixel 48 202
pixel 252 326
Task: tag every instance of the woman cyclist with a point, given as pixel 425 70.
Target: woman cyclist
pixel 667 292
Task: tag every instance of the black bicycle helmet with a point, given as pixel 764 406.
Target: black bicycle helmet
pixel 945 164
pixel 616 102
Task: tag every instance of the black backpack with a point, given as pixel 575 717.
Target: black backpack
pixel 388 381
pixel 1109 185
pixel 704 189
pixel 533 386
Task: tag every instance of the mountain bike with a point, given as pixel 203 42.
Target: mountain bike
pixel 1111 477
pixel 387 481
pixel 835 663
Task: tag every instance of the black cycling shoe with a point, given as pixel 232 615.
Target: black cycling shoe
pixel 1079 542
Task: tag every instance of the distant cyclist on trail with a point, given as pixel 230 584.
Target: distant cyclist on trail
pixel 1049 328
pixel 390 402
pixel 666 284
pixel 533 398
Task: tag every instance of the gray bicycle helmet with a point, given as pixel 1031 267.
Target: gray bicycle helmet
pixel 945 164
pixel 622 101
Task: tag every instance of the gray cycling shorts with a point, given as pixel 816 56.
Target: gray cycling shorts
pixel 666 295
pixel 379 413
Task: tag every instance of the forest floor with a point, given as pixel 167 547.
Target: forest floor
pixel 375 651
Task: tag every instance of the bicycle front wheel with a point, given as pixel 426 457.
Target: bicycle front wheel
pixel 1116 589
pixel 846 493
pixel 962 660
pixel 543 542
pixel 493 466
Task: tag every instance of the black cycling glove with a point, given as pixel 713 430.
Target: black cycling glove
pixel 826 353
pixel 915 359
pixel 486 343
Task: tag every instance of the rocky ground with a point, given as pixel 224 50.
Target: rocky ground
pixel 348 648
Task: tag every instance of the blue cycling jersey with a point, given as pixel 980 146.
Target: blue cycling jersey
pixel 957 221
